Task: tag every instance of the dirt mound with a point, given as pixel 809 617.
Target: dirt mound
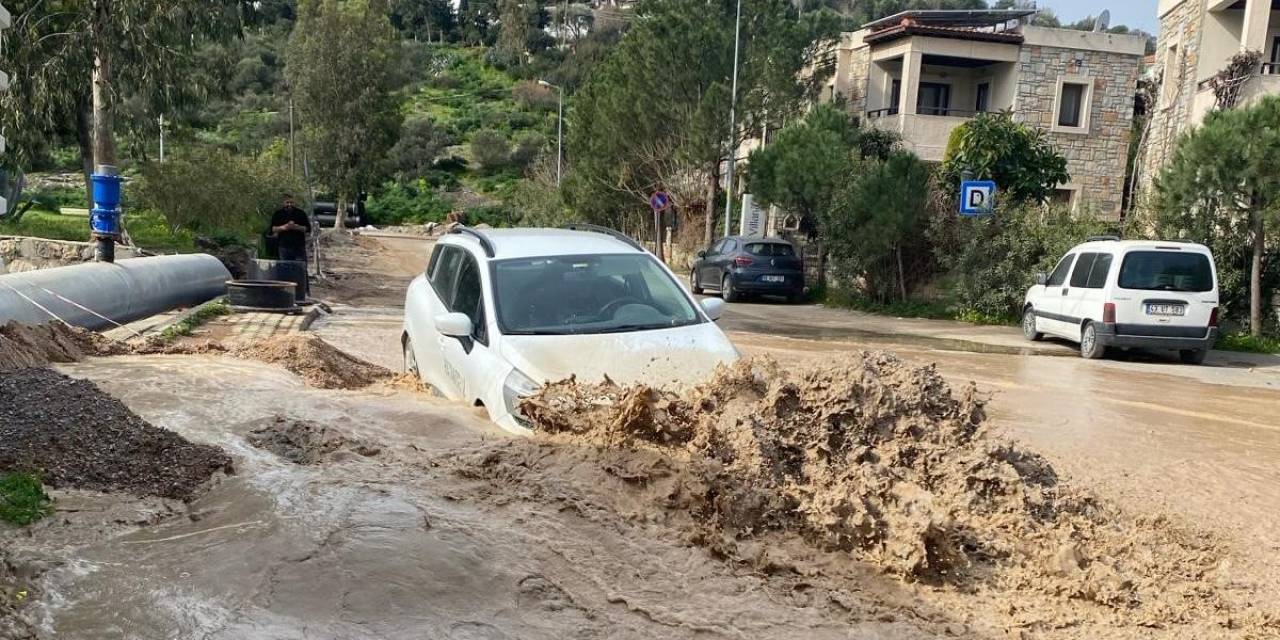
pixel 14 592
pixel 74 435
pixel 23 346
pixel 878 462
pixel 305 442
pixel 318 362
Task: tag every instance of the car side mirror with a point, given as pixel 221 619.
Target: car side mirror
pixel 454 325
pixel 1042 279
pixel 702 254
pixel 713 307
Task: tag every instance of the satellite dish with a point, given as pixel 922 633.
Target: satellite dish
pixel 1103 22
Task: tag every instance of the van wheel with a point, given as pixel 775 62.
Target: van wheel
pixel 1090 347
pixel 1029 326
pixel 727 292
pixel 1193 356
pixel 693 282
pixel 410 360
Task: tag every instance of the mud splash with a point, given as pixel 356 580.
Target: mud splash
pixel 316 361
pixel 871 461
pixel 306 443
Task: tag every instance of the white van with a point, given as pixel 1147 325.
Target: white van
pixel 1128 294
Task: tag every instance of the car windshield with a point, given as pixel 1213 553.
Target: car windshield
pixel 588 294
pixel 771 249
pixel 1166 271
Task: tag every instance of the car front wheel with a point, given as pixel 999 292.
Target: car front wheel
pixel 1029 326
pixel 693 282
pixel 410 360
pixel 1090 346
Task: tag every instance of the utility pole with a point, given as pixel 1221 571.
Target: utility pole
pixel 559 131
pixel 293 165
pixel 733 125
pixel 162 138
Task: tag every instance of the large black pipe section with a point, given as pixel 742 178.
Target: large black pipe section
pixel 123 291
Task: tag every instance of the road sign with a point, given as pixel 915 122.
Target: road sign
pixel 977 198
pixel 660 201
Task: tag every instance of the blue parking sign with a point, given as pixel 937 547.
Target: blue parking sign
pixel 977 198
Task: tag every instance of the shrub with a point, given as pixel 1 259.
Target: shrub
pixel 994 260
pixel 415 152
pixel 529 146
pixel 23 499
pixel 399 203
pixel 532 95
pixel 490 150
pixel 1020 158
pixel 212 191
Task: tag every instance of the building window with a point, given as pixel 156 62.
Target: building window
pixel 1071 105
pixel 1172 79
pixel 1064 198
pixel 1071 109
pixel 935 99
pixel 895 97
pixel 983 102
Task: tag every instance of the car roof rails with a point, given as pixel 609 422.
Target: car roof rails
pixel 483 239
pixel 1103 239
pixel 617 235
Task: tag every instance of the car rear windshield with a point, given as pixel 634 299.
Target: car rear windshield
pixel 571 295
pixel 771 249
pixel 1166 271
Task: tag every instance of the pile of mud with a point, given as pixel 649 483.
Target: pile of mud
pixel 316 361
pixel 23 346
pixel 305 442
pixel 15 623
pixel 876 462
pixel 73 435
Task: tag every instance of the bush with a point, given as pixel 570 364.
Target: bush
pixel 415 152
pixel 23 499
pixel 529 146
pixel 1020 158
pixel 994 260
pixel 532 95
pixel 398 204
pixel 212 191
pixel 491 150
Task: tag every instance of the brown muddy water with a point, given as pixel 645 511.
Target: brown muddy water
pixel 401 545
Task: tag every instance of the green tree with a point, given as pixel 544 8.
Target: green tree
pixel 1222 188
pixel 1019 158
pixel 656 111
pixel 346 96
pixel 875 218
pixel 801 170
pixel 429 19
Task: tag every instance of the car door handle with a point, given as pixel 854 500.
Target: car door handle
pixel 1066 291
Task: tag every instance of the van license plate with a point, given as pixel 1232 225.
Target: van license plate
pixel 773 278
pixel 1166 310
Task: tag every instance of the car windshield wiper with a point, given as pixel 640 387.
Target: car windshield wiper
pixel 635 327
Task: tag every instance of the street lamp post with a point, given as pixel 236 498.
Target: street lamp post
pixel 733 124
pixel 559 131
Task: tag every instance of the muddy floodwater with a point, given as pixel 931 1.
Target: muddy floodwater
pixel 398 545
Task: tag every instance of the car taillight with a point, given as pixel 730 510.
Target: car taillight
pixel 743 261
pixel 1213 317
pixel 1109 313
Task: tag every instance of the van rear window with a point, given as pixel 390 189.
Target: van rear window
pixel 1166 271
pixel 771 249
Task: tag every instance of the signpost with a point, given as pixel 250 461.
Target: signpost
pixel 752 222
pixel 660 201
pixel 977 198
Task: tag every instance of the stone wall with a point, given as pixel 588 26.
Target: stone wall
pixel 19 254
pixel 859 75
pixel 1096 159
pixel 1172 114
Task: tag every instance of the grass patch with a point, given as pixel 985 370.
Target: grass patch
pixel 844 299
pixel 201 315
pixel 147 228
pixel 1245 343
pixel 23 499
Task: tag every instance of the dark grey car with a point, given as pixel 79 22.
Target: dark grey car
pixel 737 266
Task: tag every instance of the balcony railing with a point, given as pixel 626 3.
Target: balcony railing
pixel 1265 69
pixel 924 111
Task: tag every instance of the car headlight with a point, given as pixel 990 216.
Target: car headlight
pixel 517 387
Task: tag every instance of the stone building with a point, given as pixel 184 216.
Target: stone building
pixel 924 73
pixel 1197 40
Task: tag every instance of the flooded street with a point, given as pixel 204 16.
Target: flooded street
pixel 439 525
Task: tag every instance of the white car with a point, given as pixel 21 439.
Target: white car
pixel 499 313
pixel 1128 294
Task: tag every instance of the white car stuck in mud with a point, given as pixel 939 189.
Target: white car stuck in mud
pixel 499 313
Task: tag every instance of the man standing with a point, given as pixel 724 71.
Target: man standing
pixel 290 226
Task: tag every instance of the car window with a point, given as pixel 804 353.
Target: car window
pixel 565 295
pixel 1166 271
pixel 1084 264
pixel 718 248
pixel 771 250
pixel 445 274
pixel 469 298
pixel 1098 275
pixel 1060 272
pixel 435 260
